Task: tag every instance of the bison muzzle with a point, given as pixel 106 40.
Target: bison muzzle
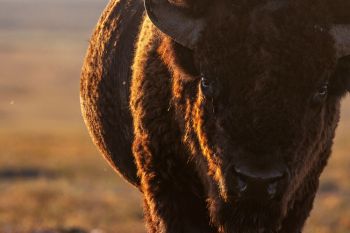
pixel 222 113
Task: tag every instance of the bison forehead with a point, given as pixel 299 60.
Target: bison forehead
pixel 268 64
pixel 290 43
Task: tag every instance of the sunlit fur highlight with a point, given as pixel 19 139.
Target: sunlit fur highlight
pixel 185 148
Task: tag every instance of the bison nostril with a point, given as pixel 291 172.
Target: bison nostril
pixel 242 185
pixel 272 189
pixel 260 184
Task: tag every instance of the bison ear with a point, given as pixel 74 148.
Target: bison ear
pixel 341 35
pixel 343 72
pixel 175 21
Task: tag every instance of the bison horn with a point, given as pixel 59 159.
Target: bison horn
pixel 173 20
pixel 341 35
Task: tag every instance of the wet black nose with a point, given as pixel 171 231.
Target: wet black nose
pixel 261 184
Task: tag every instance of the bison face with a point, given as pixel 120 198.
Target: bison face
pixel 266 111
pixel 263 107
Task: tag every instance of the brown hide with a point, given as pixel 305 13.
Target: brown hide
pixel 105 84
pixel 246 94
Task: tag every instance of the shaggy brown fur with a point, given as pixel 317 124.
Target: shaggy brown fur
pixel 265 68
pixel 105 110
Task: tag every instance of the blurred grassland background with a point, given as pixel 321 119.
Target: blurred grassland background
pixel 51 176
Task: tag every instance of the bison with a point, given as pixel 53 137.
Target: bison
pixel 222 113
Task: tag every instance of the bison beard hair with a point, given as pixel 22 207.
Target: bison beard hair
pixel 247 217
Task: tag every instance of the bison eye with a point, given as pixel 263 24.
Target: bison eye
pixel 322 93
pixel 206 86
pixel 205 83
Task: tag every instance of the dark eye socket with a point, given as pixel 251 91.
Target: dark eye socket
pixel 206 86
pixel 322 93
pixel 205 83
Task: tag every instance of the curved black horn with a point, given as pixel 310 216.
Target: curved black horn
pixel 174 21
pixel 341 35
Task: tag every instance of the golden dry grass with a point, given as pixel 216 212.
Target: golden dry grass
pixel 58 181
pixel 51 176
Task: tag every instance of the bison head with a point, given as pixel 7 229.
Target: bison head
pixel 257 86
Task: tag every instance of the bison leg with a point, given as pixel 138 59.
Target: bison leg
pixel 169 202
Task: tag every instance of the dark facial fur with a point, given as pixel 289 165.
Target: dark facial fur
pixel 264 69
pixel 262 88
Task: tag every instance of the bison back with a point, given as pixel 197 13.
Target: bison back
pixel 105 84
